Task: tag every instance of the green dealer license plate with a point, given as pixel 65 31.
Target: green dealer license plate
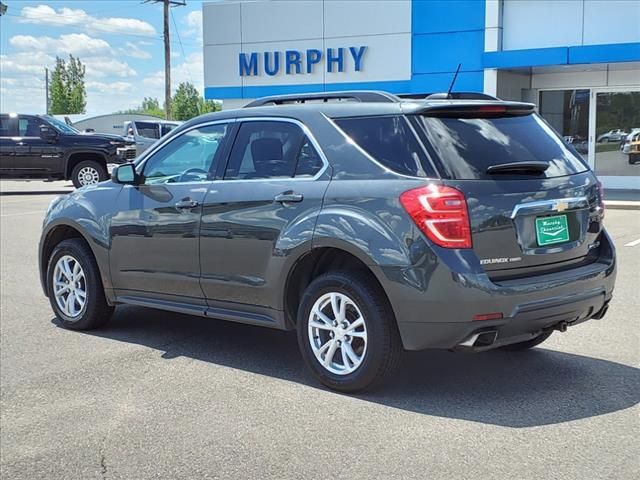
pixel 550 230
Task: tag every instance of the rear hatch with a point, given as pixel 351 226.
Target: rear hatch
pixel 534 205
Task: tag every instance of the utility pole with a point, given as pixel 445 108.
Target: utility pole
pixel 46 83
pixel 167 51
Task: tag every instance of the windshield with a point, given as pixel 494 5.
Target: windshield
pixel 60 125
pixel 467 147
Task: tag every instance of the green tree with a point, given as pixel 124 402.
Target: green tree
pixel 68 94
pixel 77 92
pixel 149 106
pixel 187 103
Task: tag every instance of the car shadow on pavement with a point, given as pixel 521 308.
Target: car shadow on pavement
pixel 513 389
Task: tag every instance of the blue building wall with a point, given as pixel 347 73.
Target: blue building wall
pixel 445 33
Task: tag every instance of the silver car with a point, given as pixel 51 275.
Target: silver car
pixel 146 133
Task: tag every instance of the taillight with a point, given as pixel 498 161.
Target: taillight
pixel 441 213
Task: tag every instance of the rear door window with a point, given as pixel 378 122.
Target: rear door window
pixel 390 141
pixel 271 149
pixel 29 126
pixel 7 126
pixel 466 147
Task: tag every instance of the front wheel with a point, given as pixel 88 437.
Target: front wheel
pixel 88 173
pixel 75 287
pixel 633 159
pixel 346 331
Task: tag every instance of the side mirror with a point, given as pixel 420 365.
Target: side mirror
pixel 125 174
pixel 47 133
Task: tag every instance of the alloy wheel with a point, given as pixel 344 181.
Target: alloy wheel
pixel 69 287
pixel 88 176
pixel 337 333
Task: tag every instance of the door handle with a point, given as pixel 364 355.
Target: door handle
pixel 287 197
pixel 186 203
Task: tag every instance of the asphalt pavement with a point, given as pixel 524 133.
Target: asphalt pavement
pixel 161 395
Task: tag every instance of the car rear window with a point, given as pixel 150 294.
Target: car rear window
pixel 148 130
pixel 465 148
pixel 390 141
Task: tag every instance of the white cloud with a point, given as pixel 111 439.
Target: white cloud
pixel 103 67
pixel 24 93
pixel 74 43
pixel 193 21
pixel 191 70
pixel 109 88
pixel 19 64
pixel 134 51
pixel 45 15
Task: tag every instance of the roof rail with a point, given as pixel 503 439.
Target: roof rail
pixel 366 96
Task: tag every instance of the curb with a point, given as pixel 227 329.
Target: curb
pixel 621 205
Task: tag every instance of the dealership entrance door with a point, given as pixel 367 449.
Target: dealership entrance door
pixel 613 115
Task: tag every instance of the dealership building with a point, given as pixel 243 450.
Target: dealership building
pixel 578 60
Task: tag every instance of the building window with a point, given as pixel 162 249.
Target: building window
pixel 568 112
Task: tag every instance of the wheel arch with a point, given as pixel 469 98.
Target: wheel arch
pixel 76 157
pixel 317 261
pixel 55 234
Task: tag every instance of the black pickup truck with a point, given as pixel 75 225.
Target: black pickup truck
pixel 41 146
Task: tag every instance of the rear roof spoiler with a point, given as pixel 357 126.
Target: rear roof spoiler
pixel 491 107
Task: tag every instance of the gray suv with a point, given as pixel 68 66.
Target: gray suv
pixel 368 223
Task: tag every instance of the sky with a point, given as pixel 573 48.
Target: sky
pixel 119 41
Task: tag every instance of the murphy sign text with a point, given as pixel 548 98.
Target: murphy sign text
pixel 292 62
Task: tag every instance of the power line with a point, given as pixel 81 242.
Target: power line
pixel 184 55
pixel 167 4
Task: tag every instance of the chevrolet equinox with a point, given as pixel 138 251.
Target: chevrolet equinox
pixel 368 223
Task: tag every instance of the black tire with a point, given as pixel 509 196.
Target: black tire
pixel 633 159
pixel 534 342
pixel 96 311
pixel 100 172
pixel 383 348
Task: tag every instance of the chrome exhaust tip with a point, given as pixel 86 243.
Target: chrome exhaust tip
pixel 480 339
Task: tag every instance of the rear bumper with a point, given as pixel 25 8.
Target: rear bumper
pixel 434 306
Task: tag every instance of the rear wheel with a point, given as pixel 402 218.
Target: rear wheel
pixel 88 172
pixel 529 343
pixel 633 159
pixel 75 287
pixel 346 332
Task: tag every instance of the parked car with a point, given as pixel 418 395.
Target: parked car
pixel 632 148
pixel 41 146
pixel 146 133
pixel 368 226
pixel 626 141
pixel 611 136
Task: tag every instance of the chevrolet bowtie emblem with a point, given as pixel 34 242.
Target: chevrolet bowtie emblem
pixel 561 206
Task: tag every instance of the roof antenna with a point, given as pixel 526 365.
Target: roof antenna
pixel 453 81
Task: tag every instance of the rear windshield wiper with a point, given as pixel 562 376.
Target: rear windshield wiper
pixel 518 167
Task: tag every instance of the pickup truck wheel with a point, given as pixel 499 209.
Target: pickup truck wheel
pixel 75 288
pixel 346 332
pixel 88 173
pixel 534 342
